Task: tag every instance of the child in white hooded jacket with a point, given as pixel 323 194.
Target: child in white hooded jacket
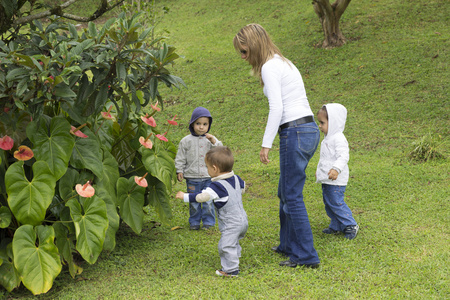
pixel 332 170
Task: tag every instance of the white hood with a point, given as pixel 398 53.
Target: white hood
pixel 337 115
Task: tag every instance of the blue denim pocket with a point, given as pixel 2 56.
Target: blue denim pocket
pixel 308 138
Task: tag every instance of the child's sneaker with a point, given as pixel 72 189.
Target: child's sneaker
pixel 329 231
pixel 195 227
pixel 351 231
pixel 231 274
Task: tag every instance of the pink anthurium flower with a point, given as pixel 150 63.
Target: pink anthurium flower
pixel 106 114
pixel 146 142
pixel 76 131
pixel 6 143
pixel 173 122
pixel 85 190
pixel 149 120
pixel 141 181
pixel 162 137
pixel 155 107
pixel 24 153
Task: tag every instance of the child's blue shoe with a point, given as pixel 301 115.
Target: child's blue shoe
pixel 351 231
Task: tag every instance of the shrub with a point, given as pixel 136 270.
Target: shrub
pixel 426 148
pixel 81 151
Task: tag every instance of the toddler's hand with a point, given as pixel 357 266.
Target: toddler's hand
pixel 180 177
pixel 333 174
pixel 210 138
pixel 180 195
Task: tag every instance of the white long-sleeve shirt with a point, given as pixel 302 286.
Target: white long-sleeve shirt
pixel 284 88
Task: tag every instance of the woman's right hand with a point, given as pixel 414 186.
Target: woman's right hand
pixel 264 155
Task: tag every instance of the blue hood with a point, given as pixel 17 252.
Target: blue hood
pixel 198 113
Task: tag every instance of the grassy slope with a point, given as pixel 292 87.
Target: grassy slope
pixel 393 78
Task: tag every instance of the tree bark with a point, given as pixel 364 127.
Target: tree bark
pixel 329 16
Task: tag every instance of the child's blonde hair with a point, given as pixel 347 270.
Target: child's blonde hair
pixel 221 157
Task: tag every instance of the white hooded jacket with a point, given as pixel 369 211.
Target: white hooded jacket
pixel 334 151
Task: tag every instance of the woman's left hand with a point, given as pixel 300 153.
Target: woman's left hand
pixel 264 155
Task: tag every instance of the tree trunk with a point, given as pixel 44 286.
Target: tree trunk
pixel 329 16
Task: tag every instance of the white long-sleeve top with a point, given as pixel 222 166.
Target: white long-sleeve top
pixel 334 151
pixel 284 88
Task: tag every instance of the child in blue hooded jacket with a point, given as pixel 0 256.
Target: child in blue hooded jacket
pixel 190 165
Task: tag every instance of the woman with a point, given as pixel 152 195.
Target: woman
pixel 290 115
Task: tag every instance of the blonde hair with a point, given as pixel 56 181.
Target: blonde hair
pixel 221 157
pixel 260 47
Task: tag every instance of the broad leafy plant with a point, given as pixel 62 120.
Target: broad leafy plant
pixel 81 151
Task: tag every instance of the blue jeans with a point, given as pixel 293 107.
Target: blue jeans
pixel 338 211
pixel 200 212
pixel 297 146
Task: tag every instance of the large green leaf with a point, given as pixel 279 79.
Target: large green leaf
pixel 110 174
pixel 38 265
pixel 9 276
pixel 87 154
pixel 159 164
pixel 113 217
pixel 106 135
pixel 91 223
pixel 122 150
pixel 17 74
pixel 54 144
pixel 131 202
pixel 67 184
pixel 124 154
pixel 106 190
pixel 159 199
pixel 63 90
pixel 65 247
pixel 5 217
pixel 101 98
pixel 27 200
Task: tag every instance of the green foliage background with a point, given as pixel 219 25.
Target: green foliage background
pixel 393 78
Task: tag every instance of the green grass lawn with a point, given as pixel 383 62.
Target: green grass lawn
pixel 393 78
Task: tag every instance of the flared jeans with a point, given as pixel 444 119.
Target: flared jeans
pixel 297 146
